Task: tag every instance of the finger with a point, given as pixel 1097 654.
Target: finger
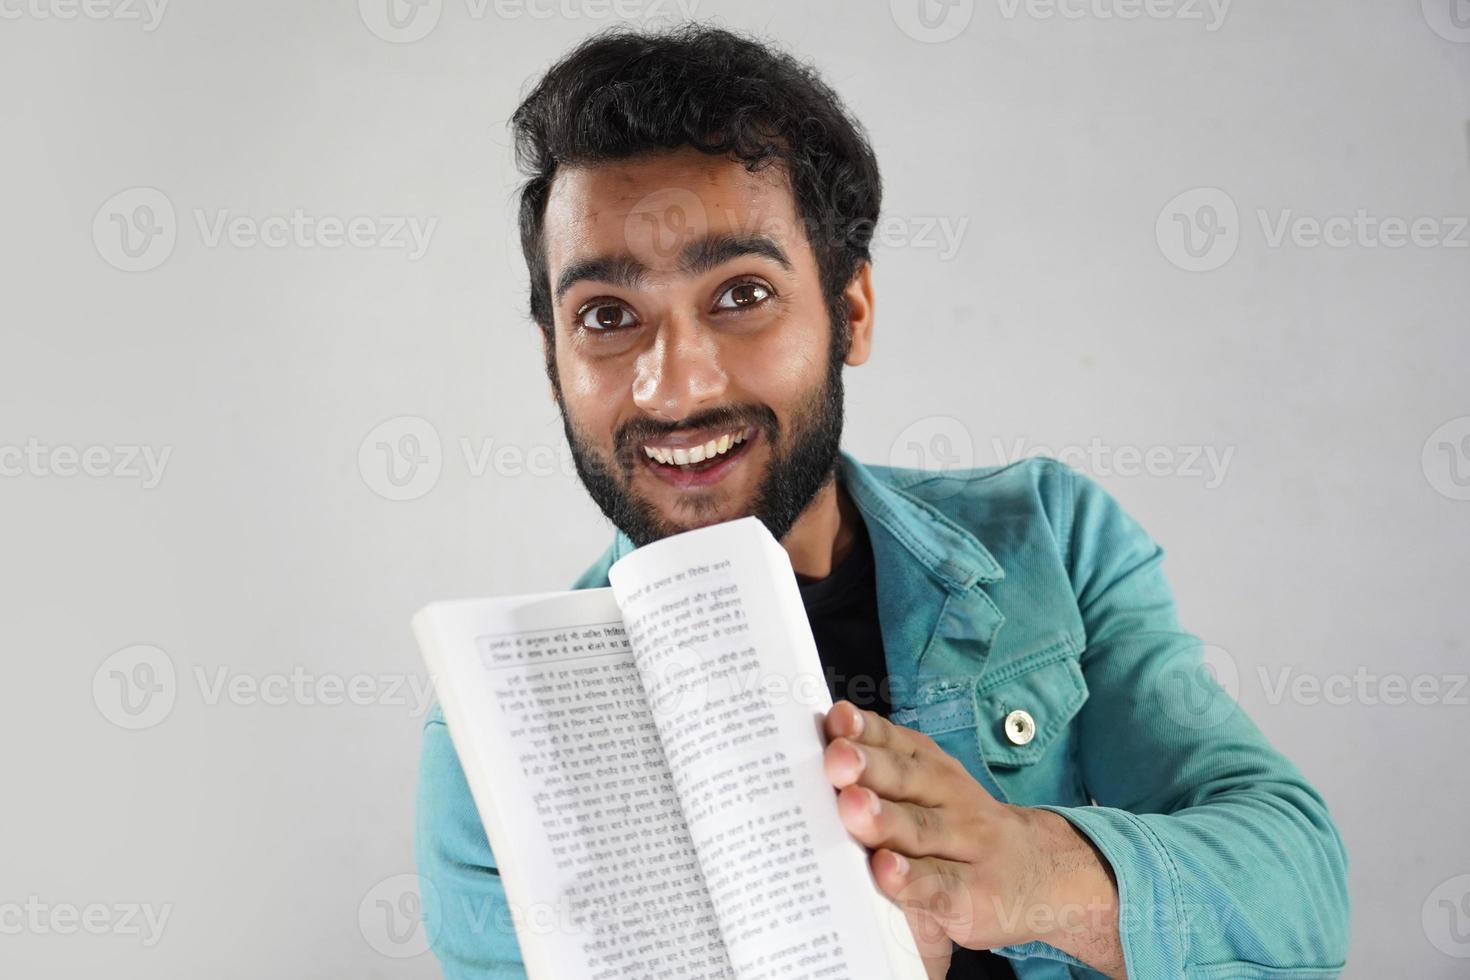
pixel 844 720
pixel 911 768
pixel 936 950
pixel 939 889
pixel 910 829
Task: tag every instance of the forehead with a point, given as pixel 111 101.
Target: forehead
pixel 649 206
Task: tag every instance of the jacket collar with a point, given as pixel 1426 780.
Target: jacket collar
pixel 941 547
pixel 937 620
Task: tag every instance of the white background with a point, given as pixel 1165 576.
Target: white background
pixel 1334 546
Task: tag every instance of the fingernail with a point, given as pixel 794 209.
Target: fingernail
pixel 862 760
pixel 900 864
pixel 875 805
pixel 857 723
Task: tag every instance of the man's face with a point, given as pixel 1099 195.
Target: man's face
pixel 693 362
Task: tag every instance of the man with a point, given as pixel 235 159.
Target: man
pixel 1026 739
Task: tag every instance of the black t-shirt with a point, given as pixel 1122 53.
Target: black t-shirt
pixel 843 610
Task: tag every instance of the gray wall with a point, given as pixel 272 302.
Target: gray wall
pixel 254 587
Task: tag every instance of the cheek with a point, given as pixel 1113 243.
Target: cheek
pixel 777 367
pixel 593 393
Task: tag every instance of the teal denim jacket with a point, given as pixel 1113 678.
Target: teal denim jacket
pixel 1027 588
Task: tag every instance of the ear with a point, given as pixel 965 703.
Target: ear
pixel 859 294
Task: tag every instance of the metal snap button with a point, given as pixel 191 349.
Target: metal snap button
pixel 1020 727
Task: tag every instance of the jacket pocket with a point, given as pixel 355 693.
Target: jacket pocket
pixel 1023 715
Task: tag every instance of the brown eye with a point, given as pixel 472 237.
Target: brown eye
pixel 606 316
pixel 743 295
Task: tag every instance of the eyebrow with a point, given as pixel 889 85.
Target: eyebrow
pixel 699 256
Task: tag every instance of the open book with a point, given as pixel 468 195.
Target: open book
pixel 647 761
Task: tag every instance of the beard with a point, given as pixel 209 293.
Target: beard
pixel 803 459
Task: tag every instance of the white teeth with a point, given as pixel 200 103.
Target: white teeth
pixel 695 454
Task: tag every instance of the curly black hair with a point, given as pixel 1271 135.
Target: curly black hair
pixel 624 92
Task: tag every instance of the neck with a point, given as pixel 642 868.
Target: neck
pixel 823 534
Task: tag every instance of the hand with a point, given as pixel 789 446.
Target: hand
pixel 963 866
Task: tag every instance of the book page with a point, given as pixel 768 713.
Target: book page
pixel 547 714
pixel 732 674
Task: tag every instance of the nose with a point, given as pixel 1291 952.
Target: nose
pixel 680 373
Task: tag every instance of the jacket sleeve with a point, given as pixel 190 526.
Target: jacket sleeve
pixel 1226 859
pixel 466 917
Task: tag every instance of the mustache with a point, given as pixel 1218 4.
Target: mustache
pixel 637 431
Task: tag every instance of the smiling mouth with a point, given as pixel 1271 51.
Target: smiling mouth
pixel 687 464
